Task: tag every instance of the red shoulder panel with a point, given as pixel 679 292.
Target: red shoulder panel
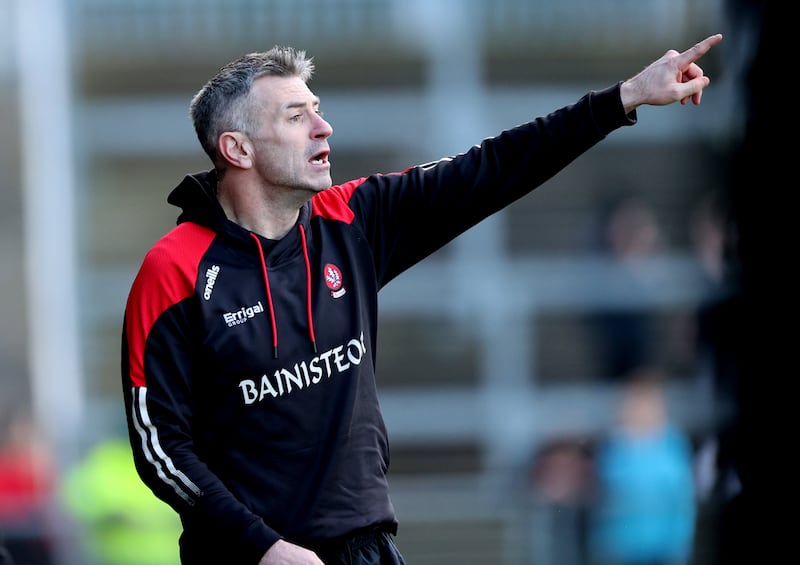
pixel 332 204
pixel 167 276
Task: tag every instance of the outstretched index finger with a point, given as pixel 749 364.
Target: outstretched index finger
pixel 698 50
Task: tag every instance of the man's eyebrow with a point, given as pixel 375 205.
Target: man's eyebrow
pixel 302 104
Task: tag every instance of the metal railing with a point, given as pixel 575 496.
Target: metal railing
pixel 170 28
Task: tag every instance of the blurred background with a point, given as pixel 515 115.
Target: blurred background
pixel 506 361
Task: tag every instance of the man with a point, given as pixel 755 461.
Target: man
pixel 249 337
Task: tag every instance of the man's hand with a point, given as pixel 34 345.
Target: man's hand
pixel 285 553
pixel 675 76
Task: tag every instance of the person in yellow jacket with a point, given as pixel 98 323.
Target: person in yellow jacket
pixel 122 522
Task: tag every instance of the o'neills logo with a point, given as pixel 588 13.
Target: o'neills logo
pixel 211 278
pixel 243 314
pixel 333 278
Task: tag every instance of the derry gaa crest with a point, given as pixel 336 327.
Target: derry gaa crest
pixel 333 278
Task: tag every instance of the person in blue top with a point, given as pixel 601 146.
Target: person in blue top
pixel 248 346
pixel 645 509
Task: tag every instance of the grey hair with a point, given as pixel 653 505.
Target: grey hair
pixel 222 104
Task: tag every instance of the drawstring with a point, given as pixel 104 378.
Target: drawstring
pixel 308 289
pixel 269 297
pixel 269 292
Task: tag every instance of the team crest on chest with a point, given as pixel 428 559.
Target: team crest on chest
pixel 333 279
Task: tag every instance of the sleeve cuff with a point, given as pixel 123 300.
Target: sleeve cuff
pixel 259 538
pixel 607 109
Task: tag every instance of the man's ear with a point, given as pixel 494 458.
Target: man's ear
pixel 236 149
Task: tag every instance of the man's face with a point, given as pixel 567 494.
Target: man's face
pixel 291 139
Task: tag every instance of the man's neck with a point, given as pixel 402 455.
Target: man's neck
pixel 258 210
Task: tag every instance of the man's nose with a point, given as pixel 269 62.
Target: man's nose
pixel 322 129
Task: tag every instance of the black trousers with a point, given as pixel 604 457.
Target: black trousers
pixel 374 546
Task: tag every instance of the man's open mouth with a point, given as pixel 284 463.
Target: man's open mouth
pixel 320 158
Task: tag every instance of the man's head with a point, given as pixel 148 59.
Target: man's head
pixel 224 103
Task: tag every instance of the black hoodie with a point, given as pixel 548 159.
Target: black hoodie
pixel 248 364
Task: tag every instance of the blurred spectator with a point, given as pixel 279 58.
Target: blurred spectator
pixel 713 238
pixel 630 234
pixel 718 358
pixel 645 509
pixel 122 521
pixel 561 482
pixel 27 483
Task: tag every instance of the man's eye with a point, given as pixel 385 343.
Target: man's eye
pixel 296 118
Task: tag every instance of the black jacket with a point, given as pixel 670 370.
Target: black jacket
pixel 248 364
